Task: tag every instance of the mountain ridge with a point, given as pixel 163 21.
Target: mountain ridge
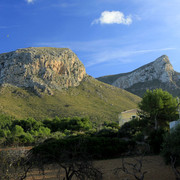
pixel 156 74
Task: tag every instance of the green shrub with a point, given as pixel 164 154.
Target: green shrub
pixel 171 146
pixel 5 133
pixel 28 124
pixel 26 139
pixel 96 147
pixel 132 128
pixel 72 124
pixel 5 121
pixel 17 130
pixel 107 132
pixel 114 125
pixel 155 140
pixel 44 131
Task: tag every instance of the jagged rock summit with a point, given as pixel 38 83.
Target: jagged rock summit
pixel 160 69
pixel 157 74
pixel 41 68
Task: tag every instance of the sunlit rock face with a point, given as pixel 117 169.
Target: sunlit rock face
pixel 41 69
pixel 157 74
pixel 160 69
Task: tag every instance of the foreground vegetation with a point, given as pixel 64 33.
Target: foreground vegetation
pixel 73 143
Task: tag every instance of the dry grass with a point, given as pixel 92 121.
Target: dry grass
pixel 154 165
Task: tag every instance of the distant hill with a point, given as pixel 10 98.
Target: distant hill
pixel 157 74
pixel 49 82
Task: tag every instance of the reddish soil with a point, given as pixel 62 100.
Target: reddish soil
pixel 15 148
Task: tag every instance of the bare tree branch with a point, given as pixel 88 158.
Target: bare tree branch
pixel 133 169
pixel 173 165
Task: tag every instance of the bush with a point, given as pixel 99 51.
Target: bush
pixel 28 124
pixel 26 138
pixel 132 128
pixel 5 121
pixel 171 150
pixel 72 124
pixel 155 140
pixel 96 147
pixel 5 133
pixel 12 164
pixel 171 146
pixel 44 131
pixel 107 132
pixel 111 124
pixel 17 130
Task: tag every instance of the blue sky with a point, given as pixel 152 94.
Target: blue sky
pixel 109 36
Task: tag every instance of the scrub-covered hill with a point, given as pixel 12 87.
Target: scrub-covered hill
pixel 49 82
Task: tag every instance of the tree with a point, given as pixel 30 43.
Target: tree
pixel 155 140
pixel 28 124
pixel 171 150
pixel 13 164
pixel 132 168
pixel 132 129
pixel 158 106
pixel 72 124
pixel 71 156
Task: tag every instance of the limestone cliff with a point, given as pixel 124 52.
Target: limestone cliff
pixel 41 69
pixel 157 74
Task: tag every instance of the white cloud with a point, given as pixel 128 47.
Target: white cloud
pixel 113 17
pixel 30 1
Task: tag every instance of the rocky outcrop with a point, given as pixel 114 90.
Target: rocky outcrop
pixel 157 74
pixel 41 69
pixel 160 69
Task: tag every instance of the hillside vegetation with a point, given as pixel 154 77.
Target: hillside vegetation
pixel 91 98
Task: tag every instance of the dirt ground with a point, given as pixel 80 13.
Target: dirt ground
pixel 154 165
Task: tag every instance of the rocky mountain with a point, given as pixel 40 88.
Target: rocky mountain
pixel 49 82
pixel 157 74
pixel 41 69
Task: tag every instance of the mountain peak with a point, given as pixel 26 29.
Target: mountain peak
pixel 157 74
pixel 163 66
pixel 164 59
pixel 41 68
